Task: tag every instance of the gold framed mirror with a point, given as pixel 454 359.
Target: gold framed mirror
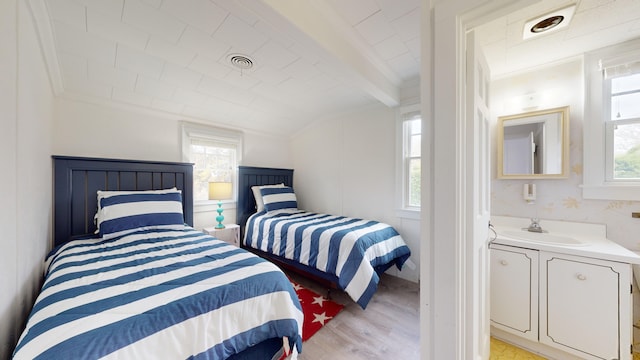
pixel 534 145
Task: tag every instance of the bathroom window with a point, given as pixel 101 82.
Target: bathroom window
pixel 623 128
pixel 612 123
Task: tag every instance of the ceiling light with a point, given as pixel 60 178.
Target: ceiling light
pixel 549 22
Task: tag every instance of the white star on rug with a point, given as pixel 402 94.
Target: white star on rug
pixel 321 318
pixel 297 287
pixel 319 300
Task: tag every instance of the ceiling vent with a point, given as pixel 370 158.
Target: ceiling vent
pixel 242 62
pixel 548 23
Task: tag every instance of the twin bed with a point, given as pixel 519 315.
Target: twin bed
pixel 130 278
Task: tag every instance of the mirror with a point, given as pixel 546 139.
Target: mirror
pixel 534 145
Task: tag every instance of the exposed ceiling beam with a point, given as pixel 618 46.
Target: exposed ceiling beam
pixel 308 20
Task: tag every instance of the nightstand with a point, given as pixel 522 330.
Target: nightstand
pixel 230 234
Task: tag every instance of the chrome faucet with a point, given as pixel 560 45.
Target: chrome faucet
pixel 535 226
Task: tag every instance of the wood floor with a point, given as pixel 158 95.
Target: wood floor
pixel 388 329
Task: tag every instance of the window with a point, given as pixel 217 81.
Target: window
pixel 215 153
pixel 623 128
pixel 411 136
pixel 612 123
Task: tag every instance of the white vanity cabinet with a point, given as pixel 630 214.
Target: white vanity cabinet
pixel 514 290
pixel 586 306
pixel 579 305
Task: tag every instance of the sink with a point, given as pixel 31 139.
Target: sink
pixel 544 238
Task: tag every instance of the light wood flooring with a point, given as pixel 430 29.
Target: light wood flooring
pixel 388 329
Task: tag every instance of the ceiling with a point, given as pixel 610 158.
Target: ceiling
pixel 311 58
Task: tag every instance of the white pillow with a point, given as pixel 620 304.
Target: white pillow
pixel 258 196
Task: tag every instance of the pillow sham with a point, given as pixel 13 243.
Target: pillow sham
pixel 258 196
pixel 279 198
pixel 123 211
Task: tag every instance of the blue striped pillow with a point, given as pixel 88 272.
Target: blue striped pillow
pixel 123 211
pixel 279 198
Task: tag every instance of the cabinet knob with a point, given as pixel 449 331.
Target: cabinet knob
pixel 504 262
pixel 581 277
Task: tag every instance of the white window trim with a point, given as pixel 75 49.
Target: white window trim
pixel 189 130
pixel 595 184
pixel 403 211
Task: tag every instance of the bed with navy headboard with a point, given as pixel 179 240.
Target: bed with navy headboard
pixel 148 285
pixel 338 251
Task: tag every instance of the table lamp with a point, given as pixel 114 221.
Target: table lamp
pixel 220 191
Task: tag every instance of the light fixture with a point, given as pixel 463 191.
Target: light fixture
pixel 548 22
pixel 220 191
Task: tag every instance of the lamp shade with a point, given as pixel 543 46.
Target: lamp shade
pixel 220 190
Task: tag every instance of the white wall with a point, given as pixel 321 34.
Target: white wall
pixel 346 165
pixel 25 188
pixel 554 86
pixel 88 129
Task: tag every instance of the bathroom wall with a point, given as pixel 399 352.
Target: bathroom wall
pixel 553 86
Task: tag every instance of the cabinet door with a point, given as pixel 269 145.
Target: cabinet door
pixel 580 306
pixel 514 290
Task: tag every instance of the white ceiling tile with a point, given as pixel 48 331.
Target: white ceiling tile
pixel 236 96
pixel 355 11
pixel 72 41
pixel 375 28
pixel 209 67
pixel 179 76
pixel 241 35
pixel 168 106
pixel 111 8
pixel 408 25
pixel 152 20
pixel 301 69
pixel 68 12
pixel 137 61
pixel 203 44
pixel 242 80
pixel 391 48
pixel 108 74
pixel 201 14
pixel 394 9
pixel 154 88
pixel 268 74
pixel 131 97
pixel 73 67
pixel 275 35
pixel 189 97
pixel 405 66
pixel 414 47
pixel 238 10
pixel 274 54
pixel 169 52
pixel 110 28
pixel 153 3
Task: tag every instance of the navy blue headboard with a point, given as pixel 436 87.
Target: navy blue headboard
pixel 77 179
pixel 249 176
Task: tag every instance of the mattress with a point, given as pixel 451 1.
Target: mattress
pixel 159 294
pixel 353 250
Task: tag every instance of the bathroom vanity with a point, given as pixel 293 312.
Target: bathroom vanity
pixel 563 293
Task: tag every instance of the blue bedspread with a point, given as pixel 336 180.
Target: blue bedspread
pixel 351 249
pixel 158 295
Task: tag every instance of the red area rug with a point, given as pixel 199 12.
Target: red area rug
pixel 317 310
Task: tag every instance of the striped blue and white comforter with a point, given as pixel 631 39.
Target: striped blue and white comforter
pixel 350 249
pixel 158 295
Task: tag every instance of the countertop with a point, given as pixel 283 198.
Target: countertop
pixel 596 245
